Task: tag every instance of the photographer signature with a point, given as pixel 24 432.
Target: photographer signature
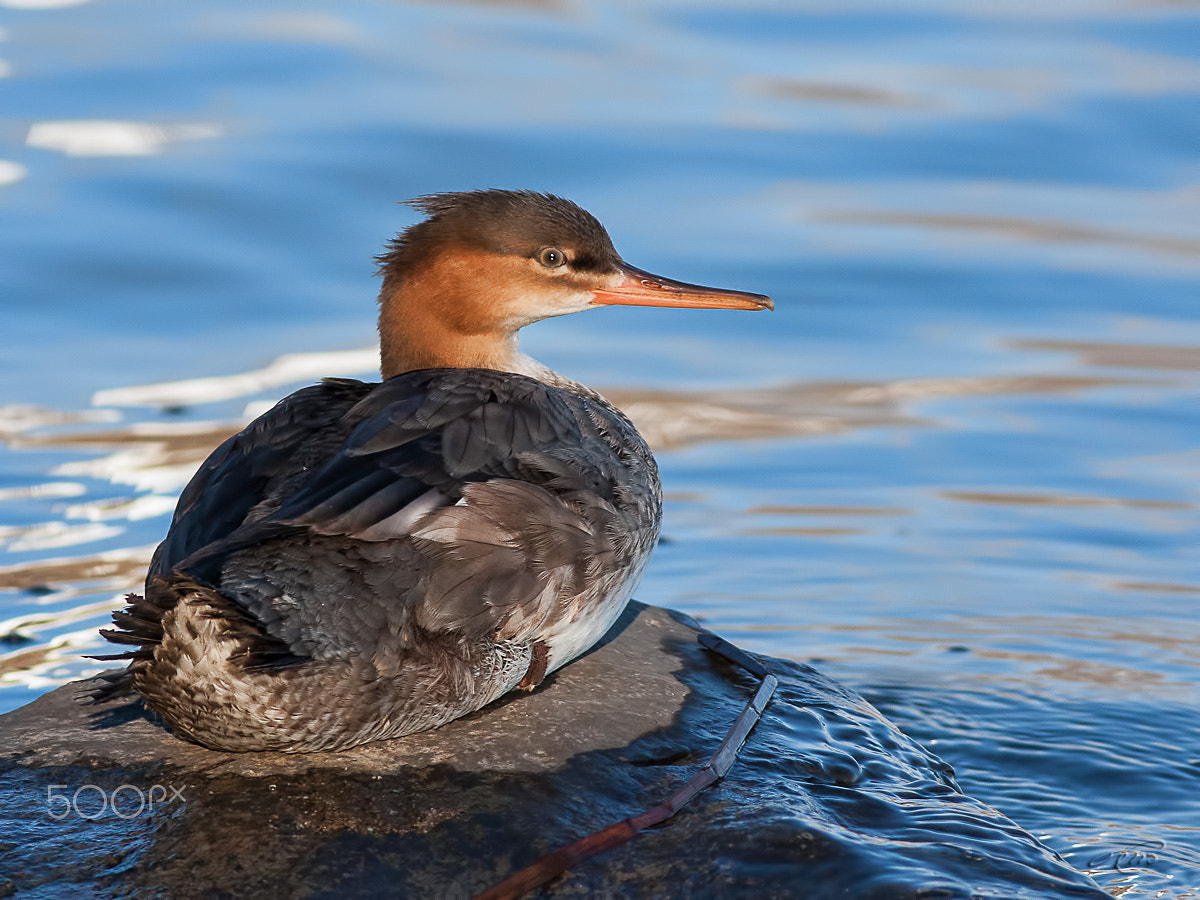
pixel 1139 855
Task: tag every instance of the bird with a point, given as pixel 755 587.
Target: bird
pixel 370 560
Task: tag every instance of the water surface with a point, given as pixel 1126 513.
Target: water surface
pixel 956 469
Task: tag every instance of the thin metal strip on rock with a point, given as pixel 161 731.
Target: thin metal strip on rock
pixel 559 861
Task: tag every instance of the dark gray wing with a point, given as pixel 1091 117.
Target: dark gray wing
pixel 241 473
pixel 471 501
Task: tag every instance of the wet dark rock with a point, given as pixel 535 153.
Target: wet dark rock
pixel 827 799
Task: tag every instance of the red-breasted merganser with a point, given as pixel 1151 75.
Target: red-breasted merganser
pixel 370 560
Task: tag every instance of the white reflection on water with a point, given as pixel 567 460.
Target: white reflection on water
pixel 41 4
pixel 103 137
pixel 47 578
pixel 11 172
pixel 54 663
pixel 53 535
pixel 159 457
pixel 16 419
pixel 286 369
pixel 51 489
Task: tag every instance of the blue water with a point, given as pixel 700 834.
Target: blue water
pixel 956 469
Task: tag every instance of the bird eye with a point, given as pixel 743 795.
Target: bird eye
pixel 551 257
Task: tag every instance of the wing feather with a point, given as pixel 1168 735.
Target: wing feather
pixel 464 501
pixel 240 473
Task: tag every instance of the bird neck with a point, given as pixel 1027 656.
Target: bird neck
pixel 410 341
pixel 426 322
pixel 432 317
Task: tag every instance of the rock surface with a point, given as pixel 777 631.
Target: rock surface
pixel 827 799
